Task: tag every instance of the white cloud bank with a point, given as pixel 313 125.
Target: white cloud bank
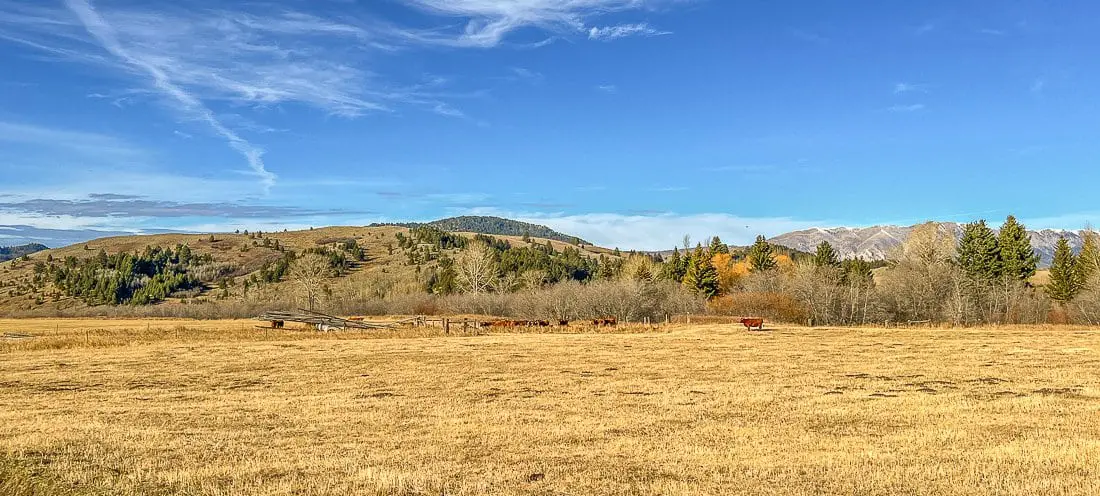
pixel 665 231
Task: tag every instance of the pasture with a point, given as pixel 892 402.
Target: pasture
pixel 221 408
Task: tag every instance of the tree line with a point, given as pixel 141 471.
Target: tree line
pixel 984 276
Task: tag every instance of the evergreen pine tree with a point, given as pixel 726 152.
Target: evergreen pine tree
pixel 1088 262
pixel 701 277
pixel 761 256
pixel 856 270
pixel 1017 258
pixel 826 256
pixel 979 256
pixel 1065 281
pixel 671 268
pixel 717 246
pixel 690 276
pixel 605 269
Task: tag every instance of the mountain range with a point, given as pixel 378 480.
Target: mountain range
pixel 876 242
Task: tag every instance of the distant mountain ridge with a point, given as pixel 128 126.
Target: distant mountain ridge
pixel 493 225
pixel 876 242
pixel 12 252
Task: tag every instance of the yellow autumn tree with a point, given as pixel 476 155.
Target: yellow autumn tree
pixel 785 264
pixel 730 273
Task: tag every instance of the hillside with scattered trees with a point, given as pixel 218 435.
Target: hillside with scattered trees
pixel 10 252
pixel 496 226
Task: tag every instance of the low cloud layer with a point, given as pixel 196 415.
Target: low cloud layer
pixel 114 205
pixel 665 231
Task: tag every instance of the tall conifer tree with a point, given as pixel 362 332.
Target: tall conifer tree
pixel 978 252
pixel 761 256
pixel 1018 259
pixel 717 246
pixel 1065 282
pixel 1088 262
pixel 701 277
pixel 826 256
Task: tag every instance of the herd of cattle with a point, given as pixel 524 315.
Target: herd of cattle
pixel 604 322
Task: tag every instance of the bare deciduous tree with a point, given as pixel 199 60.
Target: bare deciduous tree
pixel 533 280
pixel 819 289
pixel 919 284
pixel 310 272
pixel 476 268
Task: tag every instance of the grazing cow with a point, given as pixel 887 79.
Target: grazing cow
pixel 277 324
pixel 563 323
pixel 751 323
pixel 543 323
pixel 606 322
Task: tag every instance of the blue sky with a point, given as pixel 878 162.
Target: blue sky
pixel 627 122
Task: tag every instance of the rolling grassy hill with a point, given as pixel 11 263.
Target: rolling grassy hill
pixel 231 259
pixel 495 226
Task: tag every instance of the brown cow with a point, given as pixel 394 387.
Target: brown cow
pixel 751 323
pixel 563 322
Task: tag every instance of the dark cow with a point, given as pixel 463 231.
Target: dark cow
pixel 563 323
pixel 606 322
pixel 277 324
pixel 753 323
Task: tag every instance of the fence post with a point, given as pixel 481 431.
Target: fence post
pixel 446 325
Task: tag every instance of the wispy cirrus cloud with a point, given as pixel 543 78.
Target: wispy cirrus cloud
pixel 523 74
pixel 608 88
pixel 925 28
pixel 191 59
pixel 608 33
pixel 913 107
pixel 489 22
pixel 903 87
pixel 211 65
pixel 742 168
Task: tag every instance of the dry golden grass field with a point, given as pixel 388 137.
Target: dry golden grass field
pixel 221 408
